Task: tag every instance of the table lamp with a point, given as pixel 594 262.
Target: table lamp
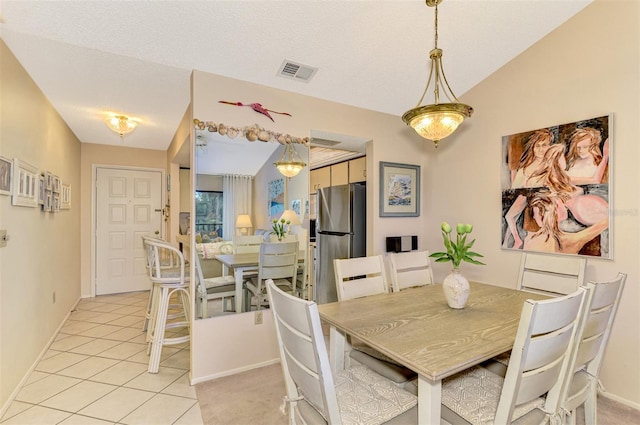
pixel 243 223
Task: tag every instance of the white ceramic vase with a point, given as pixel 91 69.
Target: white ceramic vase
pixel 456 289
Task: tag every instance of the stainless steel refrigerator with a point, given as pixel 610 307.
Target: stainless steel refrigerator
pixel 341 227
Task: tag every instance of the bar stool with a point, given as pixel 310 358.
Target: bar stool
pixel 166 281
pixel 168 266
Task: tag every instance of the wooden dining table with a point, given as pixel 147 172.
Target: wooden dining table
pixel 417 329
pixel 241 264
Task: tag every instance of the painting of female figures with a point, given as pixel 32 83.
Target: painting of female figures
pixel 555 189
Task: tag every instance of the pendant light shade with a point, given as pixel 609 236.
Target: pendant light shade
pixel 290 164
pixel 438 120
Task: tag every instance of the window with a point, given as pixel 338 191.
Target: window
pixel 208 215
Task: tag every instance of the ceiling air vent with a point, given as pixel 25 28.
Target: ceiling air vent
pixel 323 142
pixel 296 71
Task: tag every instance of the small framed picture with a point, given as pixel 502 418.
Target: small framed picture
pixel 55 184
pixel 55 202
pixel 41 191
pixel 48 180
pixel 399 190
pixel 65 197
pixel 25 184
pixel 48 201
pixel 5 175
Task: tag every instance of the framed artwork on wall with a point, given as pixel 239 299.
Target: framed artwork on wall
pixel 55 184
pixel 5 175
pixel 65 197
pixel 399 190
pixel 25 184
pixel 275 198
pixel 556 189
pixel 42 189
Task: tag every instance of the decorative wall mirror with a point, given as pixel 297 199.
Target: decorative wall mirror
pixel 238 192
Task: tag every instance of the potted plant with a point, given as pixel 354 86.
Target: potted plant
pixel 456 286
pixel 280 228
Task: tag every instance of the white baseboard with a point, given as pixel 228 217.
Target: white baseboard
pixel 620 400
pixel 25 378
pixel 234 371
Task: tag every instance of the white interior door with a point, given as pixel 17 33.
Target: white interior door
pixel 128 206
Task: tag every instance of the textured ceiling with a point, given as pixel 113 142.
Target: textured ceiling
pixel 135 57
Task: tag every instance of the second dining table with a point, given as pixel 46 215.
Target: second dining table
pixel 241 264
pixel 417 329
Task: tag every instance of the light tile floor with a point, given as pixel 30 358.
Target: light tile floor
pixel 95 372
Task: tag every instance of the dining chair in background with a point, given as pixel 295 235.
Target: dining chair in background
pixel 591 341
pixel 167 282
pixel 313 394
pixel 362 277
pixel 410 269
pixel 299 236
pixel 213 288
pixel 539 363
pixel 277 261
pixel 247 244
pixel 551 275
pixel 303 266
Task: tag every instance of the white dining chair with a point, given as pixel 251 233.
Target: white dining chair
pixel 362 277
pixel 277 261
pixel 539 363
pixel 213 288
pixel 410 269
pixel 551 274
pixel 588 351
pixel 247 244
pixel 313 394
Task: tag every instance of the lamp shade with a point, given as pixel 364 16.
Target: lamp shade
pixel 243 221
pixel 121 124
pixel 291 216
pixel 290 164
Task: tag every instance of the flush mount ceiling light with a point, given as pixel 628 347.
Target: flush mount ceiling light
pixel 121 124
pixel 290 164
pixel 438 120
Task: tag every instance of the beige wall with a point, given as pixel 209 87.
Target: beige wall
pixel 43 254
pixel 93 154
pixel 392 141
pixel 586 68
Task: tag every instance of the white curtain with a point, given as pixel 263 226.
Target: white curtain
pixel 237 200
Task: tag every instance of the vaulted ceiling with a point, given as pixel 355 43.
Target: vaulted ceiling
pixel 135 57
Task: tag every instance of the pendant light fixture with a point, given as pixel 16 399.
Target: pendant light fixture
pixel 121 124
pixel 438 120
pixel 290 164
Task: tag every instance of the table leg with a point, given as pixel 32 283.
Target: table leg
pixel 336 349
pixel 238 273
pixel 429 399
